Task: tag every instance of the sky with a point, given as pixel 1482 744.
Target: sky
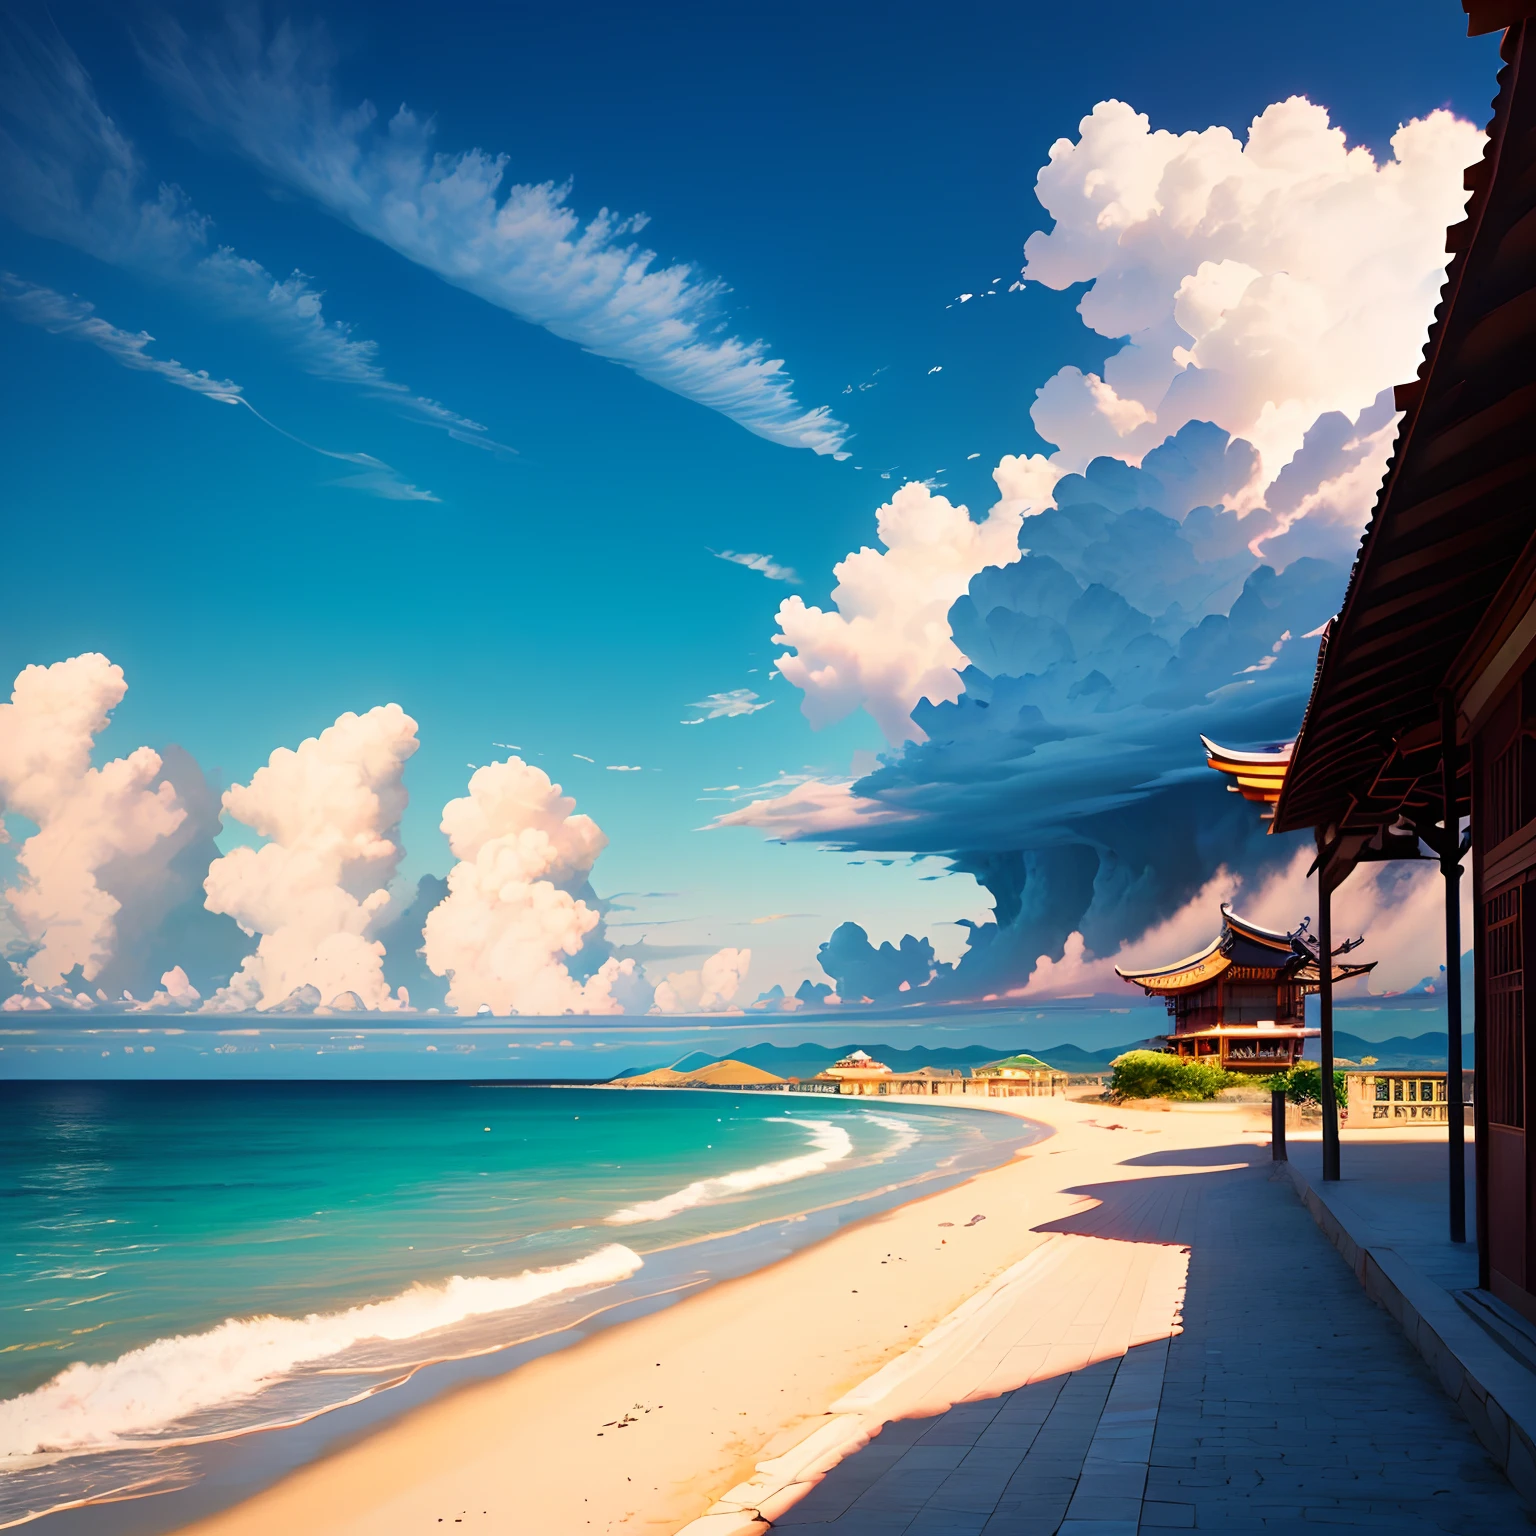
pixel 407 413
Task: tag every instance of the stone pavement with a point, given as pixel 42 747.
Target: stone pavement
pixel 1393 1195
pixel 1287 1401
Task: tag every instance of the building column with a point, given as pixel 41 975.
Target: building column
pixel 1450 867
pixel 1325 1011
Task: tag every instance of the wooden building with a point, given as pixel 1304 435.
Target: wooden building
pixel 1017 1076
pixel 858 1072
pixel 930 1082
pixel 1423 709
pixel 1240 1002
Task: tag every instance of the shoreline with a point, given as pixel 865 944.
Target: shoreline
pixel 647 1425
pixel 198 1479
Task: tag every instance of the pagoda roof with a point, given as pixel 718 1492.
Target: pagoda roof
pixel 1246 943
pixel 1257 774
pixel 1241 942
pixel 1255 933
pixel 1178 975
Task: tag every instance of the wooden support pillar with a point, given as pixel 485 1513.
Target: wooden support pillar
pixel 1325 1012
pixel 1480 1136
pixel 1277 1152
pixel 1450 867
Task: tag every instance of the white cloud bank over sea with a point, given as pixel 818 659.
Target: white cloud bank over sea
pixel 516 915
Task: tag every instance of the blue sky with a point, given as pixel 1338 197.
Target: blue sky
pixel 844 176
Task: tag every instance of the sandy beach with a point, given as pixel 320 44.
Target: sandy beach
pixel 734 1399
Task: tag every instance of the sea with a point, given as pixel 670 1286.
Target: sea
pixel 204 1284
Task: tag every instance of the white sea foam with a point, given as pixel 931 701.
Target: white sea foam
pixel 95 1406
pixel 831 1142
pixel 906 1132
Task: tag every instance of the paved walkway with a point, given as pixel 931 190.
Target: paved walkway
pixel 1287 1401
pixel 1393 1195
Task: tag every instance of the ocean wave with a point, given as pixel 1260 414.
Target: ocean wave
pixel 93 1407
pixel 906 1132
pixel 832 1144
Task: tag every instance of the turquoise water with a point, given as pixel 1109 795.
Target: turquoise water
pixel 181 1263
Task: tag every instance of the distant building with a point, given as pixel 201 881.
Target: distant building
pixel 858 1073
pixel 1017 1075
pixel 855 1064
pixel 930 1081
pixel 1381 1100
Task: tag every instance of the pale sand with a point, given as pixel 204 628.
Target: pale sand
pixel 746 1372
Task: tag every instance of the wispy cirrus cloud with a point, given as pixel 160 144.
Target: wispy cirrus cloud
pixel 723 706
pixel 327 349
pixel 764 565
pixel 72 317
pixel 520 247
pixel 71 174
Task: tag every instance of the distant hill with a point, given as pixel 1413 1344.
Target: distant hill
pixel 1426 1051
pixel 726 1072
pixel 806 1060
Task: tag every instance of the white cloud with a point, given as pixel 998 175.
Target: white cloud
pixel 315 891
pixel 1264 286
pixel 765 565
pixel 76 319
pixel 1398 908
pixel 809 807
pixel 726 706
pixel 519 247
pixel 1260 283
pixel 706 990
pixel 1184 932
pixel 512 911
pixel 87 818
pixel 176 994
pixel 328 349
pixel 888 643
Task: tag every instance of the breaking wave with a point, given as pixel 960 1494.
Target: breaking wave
pixel 906 1132
pixel 94 1407
pixel 832 1144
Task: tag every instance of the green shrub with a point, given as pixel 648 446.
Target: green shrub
pixel 1162 1075
pixel 1303 1084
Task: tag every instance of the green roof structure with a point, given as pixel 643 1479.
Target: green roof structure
pixel 1023 1063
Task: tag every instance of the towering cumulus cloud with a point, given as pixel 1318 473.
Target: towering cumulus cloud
pixel 888 644
pixel 1260 284
pixel 1205 498
pixel 515 906
pixel 1274 288
pixel 87 818
pixel 317 889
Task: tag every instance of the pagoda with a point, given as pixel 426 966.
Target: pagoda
pixel 1240 1003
